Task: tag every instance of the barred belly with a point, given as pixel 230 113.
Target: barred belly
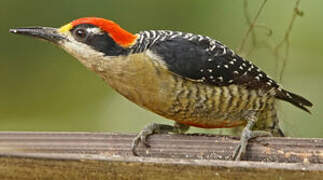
pixel 206 106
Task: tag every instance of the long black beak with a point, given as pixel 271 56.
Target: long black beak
pixel 47 33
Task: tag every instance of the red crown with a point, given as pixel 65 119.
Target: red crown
pixel 119 35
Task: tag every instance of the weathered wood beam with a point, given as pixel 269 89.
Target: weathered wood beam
pixel 25 155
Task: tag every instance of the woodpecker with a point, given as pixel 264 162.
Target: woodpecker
pixel 189 78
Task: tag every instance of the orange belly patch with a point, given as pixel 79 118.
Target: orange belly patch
pixel 219 125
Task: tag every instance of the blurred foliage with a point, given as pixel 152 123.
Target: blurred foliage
pixel 44 89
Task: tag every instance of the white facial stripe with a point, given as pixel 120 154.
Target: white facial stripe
pixel 95 31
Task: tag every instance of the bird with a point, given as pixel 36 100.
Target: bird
pixel 191 79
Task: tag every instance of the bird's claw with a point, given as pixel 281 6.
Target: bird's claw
pixel 141 138
pixel 154 128
pixel 240 150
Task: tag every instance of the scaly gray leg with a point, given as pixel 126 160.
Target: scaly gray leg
pixel 154 128
pixel 247 134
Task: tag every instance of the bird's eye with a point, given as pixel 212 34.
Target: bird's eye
pixel 80 34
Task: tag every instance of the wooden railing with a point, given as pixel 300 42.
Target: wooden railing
pixel 47 155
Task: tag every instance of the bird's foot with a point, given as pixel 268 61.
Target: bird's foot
pixel 154 128
pixel 246 135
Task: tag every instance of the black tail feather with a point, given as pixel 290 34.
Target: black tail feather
pixel 295 99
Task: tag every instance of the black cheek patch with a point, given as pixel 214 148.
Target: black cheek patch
pixel 105 44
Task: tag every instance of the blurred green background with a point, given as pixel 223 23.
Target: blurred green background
pixel 45 89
